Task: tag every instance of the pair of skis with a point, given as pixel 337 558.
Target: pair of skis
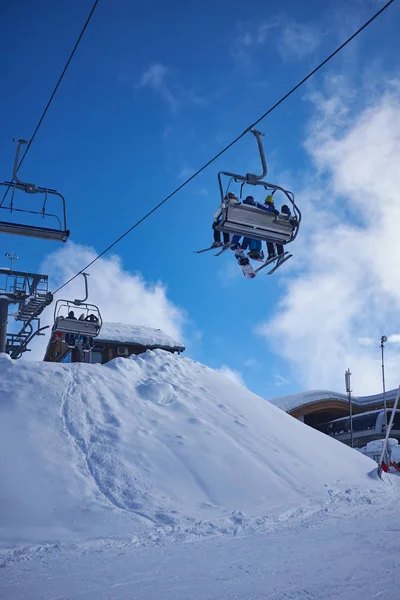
pixel 280 259
pixel 248 271
pixel 223 246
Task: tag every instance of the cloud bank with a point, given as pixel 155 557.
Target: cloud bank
pixel 346 293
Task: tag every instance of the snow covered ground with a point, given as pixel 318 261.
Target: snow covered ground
pixel 341 555
pixel 105 466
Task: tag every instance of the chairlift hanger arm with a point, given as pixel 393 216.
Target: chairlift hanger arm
pixel 250 176
pixel 78 302
pixel 20 142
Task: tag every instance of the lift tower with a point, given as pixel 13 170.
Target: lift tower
pixel 29 292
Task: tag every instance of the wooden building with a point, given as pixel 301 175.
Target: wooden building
pixel 115 339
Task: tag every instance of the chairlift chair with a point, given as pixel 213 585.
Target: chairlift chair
pixel 77 326
pixel 88 326
pixel 249 221
pixel 59 233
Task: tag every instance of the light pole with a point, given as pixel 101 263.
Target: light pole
pixel 11 257
pixel 347 376
pixel 383 340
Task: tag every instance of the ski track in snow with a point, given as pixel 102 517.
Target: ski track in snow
pixel 77 427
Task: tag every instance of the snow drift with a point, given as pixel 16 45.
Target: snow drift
pixel 154 443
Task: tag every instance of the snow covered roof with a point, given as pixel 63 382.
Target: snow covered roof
pixel 137 334
pixel 293 401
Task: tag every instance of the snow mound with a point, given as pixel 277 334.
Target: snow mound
pixel 153 444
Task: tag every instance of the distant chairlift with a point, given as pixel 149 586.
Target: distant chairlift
pixel 59 234
pixel 80 328
pixel 246 220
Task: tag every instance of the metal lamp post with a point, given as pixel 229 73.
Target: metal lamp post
pixel 383 340
pixel 347 376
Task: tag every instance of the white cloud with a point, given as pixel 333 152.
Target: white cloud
pixel 159 78
pixel 155 78
pixel 347 288
pixel 263 31
pixel 298 40
pixel 232 374
pixel 252 363
pixel 292 40
pixel 122 297
pixel 366 341
pixel 185 172
pixel 279 380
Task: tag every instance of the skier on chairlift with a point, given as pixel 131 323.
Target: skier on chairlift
pixel 230 197
pixel 92 318
pixel 254 246
pixel 285 210
pixel 70 337
pixel 269 206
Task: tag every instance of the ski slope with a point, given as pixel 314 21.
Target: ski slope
pixel 348 556
pixel 153 446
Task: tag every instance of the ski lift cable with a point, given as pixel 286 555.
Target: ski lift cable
pixel 232 143
pixel 78 41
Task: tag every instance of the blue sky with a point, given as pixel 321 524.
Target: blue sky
pixel 153 92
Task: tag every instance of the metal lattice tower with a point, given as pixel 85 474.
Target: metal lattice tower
pixel 29 291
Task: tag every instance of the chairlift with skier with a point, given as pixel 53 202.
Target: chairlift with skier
pixel 77 330
pixel 251 220
pixel 58 233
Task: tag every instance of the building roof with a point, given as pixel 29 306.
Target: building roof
pixel 295 401
pixel 137 335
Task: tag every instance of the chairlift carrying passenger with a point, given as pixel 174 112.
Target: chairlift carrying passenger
pixel 247 220
pixel 75 331
pixel 241 219
pixel 59 233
